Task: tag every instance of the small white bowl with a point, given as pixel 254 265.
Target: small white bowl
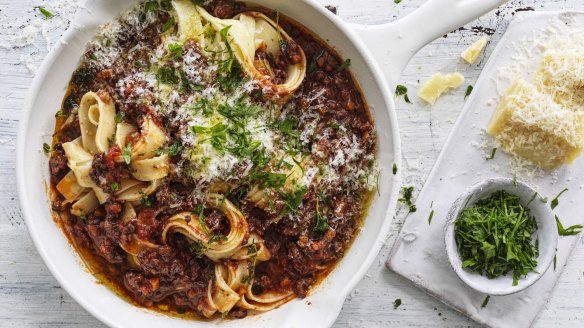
pixel 546 233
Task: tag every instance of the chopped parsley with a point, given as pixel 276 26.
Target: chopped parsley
pixel 175 149
pixel 175 51
pixel 119 118
pixel 344 65
pixel 495 237
pixel 468 91
pixel 555 261
pixel 397 303
pixel 486 301
pixel 127 153
pixel 115 186
pixel 555 201
pixel 569 231
pixel 430 217
pixel 198 249
pixel 145 200
pixel 46 148
pixel 166 75
pixel 314 61
pixel 402 90
pixel 292 200
pixel 493 152
pixel 394 169
pixel 168 25
pixel 45 12
pixel 397 1
pixel 321 225
pixel 406 198
pixel 151 6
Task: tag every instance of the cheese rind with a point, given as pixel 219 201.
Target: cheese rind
pixel 438 84
pixel 471 53
pixel 529 124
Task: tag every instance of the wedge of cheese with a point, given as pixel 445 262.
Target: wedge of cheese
pixel 471 53
pixel 438 84
pixel 529 124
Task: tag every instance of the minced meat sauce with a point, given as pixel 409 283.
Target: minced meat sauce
pixel 326 119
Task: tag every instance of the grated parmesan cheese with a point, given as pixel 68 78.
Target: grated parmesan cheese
pixel 542 121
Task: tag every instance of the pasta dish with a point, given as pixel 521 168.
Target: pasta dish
pixel 211 159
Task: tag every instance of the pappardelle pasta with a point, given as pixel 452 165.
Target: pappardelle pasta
pixel 210 158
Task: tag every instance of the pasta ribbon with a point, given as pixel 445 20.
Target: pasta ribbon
pixel 247 34
pixel 97 122
pixel 190 225
pixel 98 127
pixel 79 161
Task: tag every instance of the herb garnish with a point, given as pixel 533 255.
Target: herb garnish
pixel 145 200
pixel 569 231
pixel 127 153
pixel 555 201
pixel 45 12
pixel 495 237
pixel 344 65
pixel 46 148
pixel 321 225
pixel 486 301
pixel 119 118
pixel 166 75
pixel 115 186
pixel 397 1
pixel 168 25
pixel 397 303
pixel 468 91
pixel 402 90
pixel 172 150
pixel 430 217
pixel 151 6
pixel 394 169
pixel 407 193
pixel 175 51
pixel 314 61
pixel 198 249
pixel 493 152
pixel 292 200
pixel 555 261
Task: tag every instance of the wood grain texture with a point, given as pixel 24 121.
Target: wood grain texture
pixel 31 297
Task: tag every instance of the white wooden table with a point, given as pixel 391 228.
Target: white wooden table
pixel 31 297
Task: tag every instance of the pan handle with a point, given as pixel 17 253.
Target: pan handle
pixel 394 44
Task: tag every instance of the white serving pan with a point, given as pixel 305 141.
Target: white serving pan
pixel 378 55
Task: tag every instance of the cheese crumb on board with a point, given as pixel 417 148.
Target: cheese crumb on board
pixel 471 53
pixel 530 124
pixel 438 84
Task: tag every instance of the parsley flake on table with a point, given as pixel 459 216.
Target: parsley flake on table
pixel 486 301
pixel 45 12
pixel 407 193
pixel 397 303
pixel 555 201
pixel 402 90
pixel 569 231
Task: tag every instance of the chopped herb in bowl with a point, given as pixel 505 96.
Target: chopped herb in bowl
pixel 500 241
pixel 495 236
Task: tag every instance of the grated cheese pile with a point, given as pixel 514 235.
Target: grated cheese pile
pixel 542 121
